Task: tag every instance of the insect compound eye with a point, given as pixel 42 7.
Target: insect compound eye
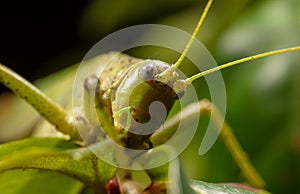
pixel 147 71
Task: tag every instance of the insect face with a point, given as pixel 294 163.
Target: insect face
pixel 133 97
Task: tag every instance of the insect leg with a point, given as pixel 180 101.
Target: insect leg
pixel 164 133
pixel 46 107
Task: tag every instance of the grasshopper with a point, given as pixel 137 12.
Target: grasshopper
pixel 121 121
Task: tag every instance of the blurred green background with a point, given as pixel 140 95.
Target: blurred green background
pixel 263 96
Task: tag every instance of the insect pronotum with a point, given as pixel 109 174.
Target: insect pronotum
pixel 161 83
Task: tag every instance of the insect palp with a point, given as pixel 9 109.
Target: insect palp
pixel 128 111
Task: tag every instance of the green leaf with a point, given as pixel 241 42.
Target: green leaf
pixel 57 155
pixel 36 182
pixel 204 187
pixel 17 146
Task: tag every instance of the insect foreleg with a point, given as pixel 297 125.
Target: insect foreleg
pixel 204 107
pixel 46 107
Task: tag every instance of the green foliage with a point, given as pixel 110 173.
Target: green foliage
pixel 56 155
pixel 38 181
pixel 203 187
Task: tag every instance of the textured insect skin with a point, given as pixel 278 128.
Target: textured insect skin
pixel 134 83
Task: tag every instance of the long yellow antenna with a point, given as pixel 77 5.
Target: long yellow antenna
pixel 200 22
pixel 194 77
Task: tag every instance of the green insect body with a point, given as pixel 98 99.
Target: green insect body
pixel 132 85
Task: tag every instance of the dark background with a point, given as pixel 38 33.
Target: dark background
pixel 32 32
